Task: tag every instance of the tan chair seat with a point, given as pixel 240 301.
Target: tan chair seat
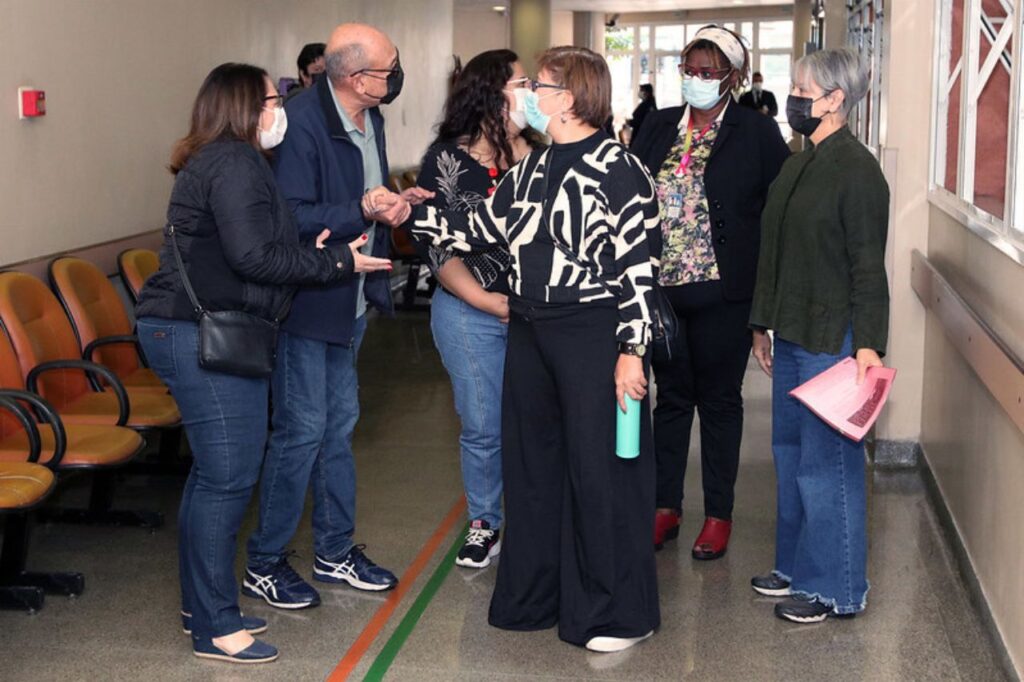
pixel 23 484
pixel 148 409
pixel 144 379
pixel 88 445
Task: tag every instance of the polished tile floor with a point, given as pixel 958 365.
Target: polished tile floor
pixel 919 624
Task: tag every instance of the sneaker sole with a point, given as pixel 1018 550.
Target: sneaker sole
pixel 803 620
pixel 325 577
pixel 250 591
pixel 784 592
pixel 469 563
pixel 232 659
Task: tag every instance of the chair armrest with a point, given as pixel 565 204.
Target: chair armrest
pixel 47 414
pixel 90 349
pixel 91 370
pixel 35 443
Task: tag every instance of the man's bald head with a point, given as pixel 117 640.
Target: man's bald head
pixel 353 47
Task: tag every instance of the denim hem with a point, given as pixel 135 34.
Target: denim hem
pixel 783 576
pixel 838 610
pixel 331 556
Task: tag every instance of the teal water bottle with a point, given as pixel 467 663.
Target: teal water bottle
pixel 627 429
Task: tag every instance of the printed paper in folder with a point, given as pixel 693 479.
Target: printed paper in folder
pixel 835 396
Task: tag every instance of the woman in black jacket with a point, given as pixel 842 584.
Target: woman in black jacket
pixel 713 162
pixel 237 240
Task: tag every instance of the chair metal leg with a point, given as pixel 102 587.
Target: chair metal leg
pixel 68 583
pixel 19 598
pixel 99 512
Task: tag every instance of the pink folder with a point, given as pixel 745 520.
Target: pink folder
pixel 835 396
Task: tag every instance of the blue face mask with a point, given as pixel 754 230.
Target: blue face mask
pixel 701 94
pixel 535 118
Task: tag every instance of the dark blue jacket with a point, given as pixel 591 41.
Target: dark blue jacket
pixel 319 171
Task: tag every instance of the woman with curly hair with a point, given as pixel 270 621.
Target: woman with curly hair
pixel 480 138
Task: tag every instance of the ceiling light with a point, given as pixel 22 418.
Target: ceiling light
pixel 498 8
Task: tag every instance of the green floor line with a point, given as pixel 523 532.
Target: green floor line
pixel 398 638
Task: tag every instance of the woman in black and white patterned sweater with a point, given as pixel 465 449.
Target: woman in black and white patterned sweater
pixel 580 220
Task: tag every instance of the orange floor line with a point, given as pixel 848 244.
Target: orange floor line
pixel 366 638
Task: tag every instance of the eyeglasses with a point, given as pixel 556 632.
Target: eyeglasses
pixel 518 81
pixel 394 70
pixel 537 85
pixel 277 101
pixel 703 74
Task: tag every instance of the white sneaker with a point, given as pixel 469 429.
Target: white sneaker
pixel 607 645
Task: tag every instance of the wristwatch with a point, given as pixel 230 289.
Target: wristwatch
pixel 637 349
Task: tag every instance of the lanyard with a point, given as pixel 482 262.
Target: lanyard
pixel 691 139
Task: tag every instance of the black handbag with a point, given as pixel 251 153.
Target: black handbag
pixel 230 341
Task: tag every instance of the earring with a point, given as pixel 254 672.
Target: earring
pixel 562 117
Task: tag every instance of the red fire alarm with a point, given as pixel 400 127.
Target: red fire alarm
pixel 31 103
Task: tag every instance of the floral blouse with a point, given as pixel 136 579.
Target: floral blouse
pixel 687 254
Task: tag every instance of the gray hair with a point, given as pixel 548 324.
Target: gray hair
pixel 345 60
pixel 832 70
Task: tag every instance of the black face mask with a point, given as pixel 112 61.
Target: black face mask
pixel 798 112
pixel 395 80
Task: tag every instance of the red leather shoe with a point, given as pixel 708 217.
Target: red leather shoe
pixel 713 539
pixel 666 527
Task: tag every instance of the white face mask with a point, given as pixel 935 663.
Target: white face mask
pixel 273 137
pixel 517 114
pixel 757 87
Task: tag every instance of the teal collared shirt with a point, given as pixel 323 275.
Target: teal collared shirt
pixel 372 175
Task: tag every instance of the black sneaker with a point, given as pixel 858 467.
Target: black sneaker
pixel 770 585
pixel 800 609
pixel 480 546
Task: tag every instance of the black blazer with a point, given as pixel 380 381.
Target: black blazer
pixel 767 100
pixel 748 153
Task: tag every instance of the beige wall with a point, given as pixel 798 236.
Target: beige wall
pixel 120 76
pixel 561 28
pixel 478 29
pixel 974 450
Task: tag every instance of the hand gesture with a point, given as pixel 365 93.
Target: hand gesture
pixel 417 195
pixel 384 206
pixel 762 350
pixel 365 263
pixel 866 357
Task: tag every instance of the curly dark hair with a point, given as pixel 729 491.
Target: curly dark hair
pixel 476 104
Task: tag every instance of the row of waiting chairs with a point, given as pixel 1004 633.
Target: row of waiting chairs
pixel 402 249
pixel 75 395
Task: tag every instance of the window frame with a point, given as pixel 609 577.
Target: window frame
pixel 1005 234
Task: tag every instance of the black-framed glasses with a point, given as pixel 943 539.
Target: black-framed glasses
pixel 703 74
pixel 278 100
pixel 537 85
pixel 394 70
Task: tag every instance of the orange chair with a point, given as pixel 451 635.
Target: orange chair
pixel 135 266
pixel 24 484
pixel 411 176
pixel 100 322
pixel 48 354
pixel 402 248
pixel 96 448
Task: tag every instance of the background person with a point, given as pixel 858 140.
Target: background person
pixel 825 294
pixel 713 163
pixel 647 105
pixel 479 139
pixel 759 99
pixel 311 64
pixel 238 242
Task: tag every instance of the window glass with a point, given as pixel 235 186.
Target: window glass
pixel 669 38
pixel 993 114
pixel 775 35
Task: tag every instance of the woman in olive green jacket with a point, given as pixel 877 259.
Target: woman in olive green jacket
pixel 822 288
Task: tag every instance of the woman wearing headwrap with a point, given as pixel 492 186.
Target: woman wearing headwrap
pixel 713 162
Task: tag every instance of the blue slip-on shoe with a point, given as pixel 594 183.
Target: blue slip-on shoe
pixel 280 586
pixel 257 652
pixel 251 624
pixel 354 568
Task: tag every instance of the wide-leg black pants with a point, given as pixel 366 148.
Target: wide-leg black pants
pixel 577 548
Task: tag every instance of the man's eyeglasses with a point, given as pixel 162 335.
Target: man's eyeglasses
pixel 703 74
pixel 394 70
pixel 537 85
pixel 276 101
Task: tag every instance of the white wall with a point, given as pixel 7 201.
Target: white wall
pixel 478 29
pixel 120 77
pixel 561 28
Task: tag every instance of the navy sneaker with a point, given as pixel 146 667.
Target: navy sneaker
pixel 354 568
pixel 257 652
pixel 481 545
pixel 251 624
pixel 803 609
pixel 771 585
pixel 280 586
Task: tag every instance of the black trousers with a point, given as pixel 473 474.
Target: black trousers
pixel 577 547
pixel 705 374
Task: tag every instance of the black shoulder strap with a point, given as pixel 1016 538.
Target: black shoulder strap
pixel 181 271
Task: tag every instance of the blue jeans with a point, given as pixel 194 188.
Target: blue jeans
pixel 316 405
pixel 820 533
pixel 472 346
pixel 225 419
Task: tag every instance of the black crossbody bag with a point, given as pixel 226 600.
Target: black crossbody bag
pixel 230 341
